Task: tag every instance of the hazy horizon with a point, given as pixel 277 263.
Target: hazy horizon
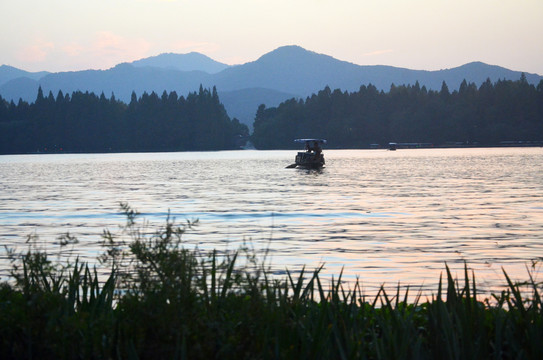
pixel 61 35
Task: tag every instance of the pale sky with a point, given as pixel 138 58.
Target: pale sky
pixel 66 35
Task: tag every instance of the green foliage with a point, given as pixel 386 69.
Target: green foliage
pixel 162 300
pixel 84 122
pixel 504 111
pixel 55 310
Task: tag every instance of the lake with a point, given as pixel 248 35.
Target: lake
pixel 385 217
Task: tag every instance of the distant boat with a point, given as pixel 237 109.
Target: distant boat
pixel 392 146
pixel 312 157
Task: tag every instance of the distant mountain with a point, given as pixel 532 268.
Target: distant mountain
pixel 184 62
pixel 16 84
pixel 477 72
pixel 8 73
pixel 293 69
pixel 124 79
pixel 289 71
pixel 244 103
pixel 20 88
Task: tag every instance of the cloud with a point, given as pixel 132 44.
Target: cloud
pixel 378 52
pixel 108 45
pixel 36 52
pixel 73 49
pixel 103 50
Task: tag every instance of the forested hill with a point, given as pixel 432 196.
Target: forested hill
pixel 286 72
pixel 85 122
pixel 491 114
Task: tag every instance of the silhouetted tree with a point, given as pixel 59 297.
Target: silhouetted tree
pixel 504 111
pixel 84 122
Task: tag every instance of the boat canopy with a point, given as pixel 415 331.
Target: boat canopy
pixel 322 141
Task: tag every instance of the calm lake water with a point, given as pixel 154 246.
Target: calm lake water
pixel 385 217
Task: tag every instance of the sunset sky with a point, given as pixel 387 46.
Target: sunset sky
pixel 63 35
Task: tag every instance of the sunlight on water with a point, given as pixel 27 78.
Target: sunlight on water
pixel 384 217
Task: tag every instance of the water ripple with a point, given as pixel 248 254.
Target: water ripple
pixel 383 217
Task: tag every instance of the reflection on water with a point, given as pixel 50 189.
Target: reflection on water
pixel 385 217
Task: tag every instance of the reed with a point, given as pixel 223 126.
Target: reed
pixel 161 300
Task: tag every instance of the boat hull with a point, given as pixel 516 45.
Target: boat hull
pixel 309 160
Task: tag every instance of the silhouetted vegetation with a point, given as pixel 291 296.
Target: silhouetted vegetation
pixel 488 115
pixel 85 122
pixel 494 113
pixel 164 301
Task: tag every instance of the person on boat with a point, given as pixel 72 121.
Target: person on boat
pixel 317 148
pixel 318 152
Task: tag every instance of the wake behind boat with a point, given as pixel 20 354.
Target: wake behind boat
pixel 312 157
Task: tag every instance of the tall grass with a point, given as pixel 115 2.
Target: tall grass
pixel 161 300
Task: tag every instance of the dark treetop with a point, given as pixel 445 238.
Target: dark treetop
pixel 85 122
pixel 505 111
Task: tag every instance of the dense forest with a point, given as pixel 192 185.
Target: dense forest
pixel 85 122
pixel 493 114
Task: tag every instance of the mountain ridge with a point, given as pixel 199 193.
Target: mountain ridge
pixel 8 73
pixel 192 61
pixel 286 72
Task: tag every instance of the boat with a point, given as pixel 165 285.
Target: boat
pixel 312 157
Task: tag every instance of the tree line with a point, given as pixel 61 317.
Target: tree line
pixel 494 113
pixel 85 122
